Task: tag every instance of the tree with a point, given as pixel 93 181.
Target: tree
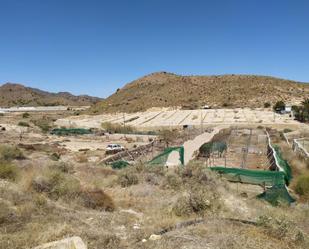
pixel 302 112
pixel 168 136
pixel 279 106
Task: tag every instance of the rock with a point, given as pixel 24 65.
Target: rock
pixel 144 240
pixel 68 243
pixel 154 237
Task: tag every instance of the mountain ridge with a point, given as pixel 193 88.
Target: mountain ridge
pixel 16 94
pixel 163 89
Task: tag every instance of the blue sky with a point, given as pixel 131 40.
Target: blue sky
pixel 93 47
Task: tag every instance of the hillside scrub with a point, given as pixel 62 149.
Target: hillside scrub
pixel 9 153
pixel 164 89
pixel 302 185
pixel 23 123
pixel 117 128
pixel 8 170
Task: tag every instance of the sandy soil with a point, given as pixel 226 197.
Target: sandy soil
pixel 179 118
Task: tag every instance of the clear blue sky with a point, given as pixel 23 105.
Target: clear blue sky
pixel 94 47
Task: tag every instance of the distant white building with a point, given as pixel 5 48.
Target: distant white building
pixel 288 109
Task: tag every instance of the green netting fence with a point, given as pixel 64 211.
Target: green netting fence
pixel 119 164
pixel 277 194
pixel 70 131
pixel 258 177
pixel 207 148
pixel 278 180
pixel 283 164
pixel 162 158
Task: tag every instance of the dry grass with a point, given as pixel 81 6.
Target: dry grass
pixel 166 90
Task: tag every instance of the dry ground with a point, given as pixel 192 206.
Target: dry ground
pixel 50 198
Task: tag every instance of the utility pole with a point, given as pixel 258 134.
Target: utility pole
pixel 201 121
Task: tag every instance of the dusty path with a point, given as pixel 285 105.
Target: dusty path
pixel 191 146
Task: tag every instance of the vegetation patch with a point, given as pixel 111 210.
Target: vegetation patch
pixel 8 170
pixel 8 153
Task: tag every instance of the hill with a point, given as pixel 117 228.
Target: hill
pixel 168 90
pixel 19 95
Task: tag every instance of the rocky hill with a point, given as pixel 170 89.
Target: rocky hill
pixel 19 95
pixel 166 89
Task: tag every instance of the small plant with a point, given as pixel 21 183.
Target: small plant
pixel 8 171
pixel 267 105
pixel 168 136
pixel 57 185
pixel 24 124
pixel 117 128
pixel 9 153
pixel 196 201
pixel 97 199
pixel 55 157
pixel 26 115
pixel 127 178
pixel 286 130
pixel 43 124
pixel 302 185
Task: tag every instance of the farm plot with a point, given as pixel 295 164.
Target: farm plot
pixel 245 148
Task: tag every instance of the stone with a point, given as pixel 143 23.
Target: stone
pixel 154 237
pixel 68 243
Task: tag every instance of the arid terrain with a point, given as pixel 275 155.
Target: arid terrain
pixel 190 92
pixel 54 187
pixel 18 95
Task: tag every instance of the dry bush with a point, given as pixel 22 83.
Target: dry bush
pixel 97 199
pixel 57 184
pixel 152 179
pixel 198 173
pixel 55 156
pixel 117 128
pixel 62 167
pixel 9 153
pixel 128 177
pixel 7 214
pixel 168 136
pixel 302 185
pixel 173 181
pixel 8 171
pixel 195 201
pixel 23 124
pixel 82 158
pixel 281 227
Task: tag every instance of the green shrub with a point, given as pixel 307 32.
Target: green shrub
pixel 24 124
pixel 54 156
pixel 279 106
pixel 267 105
pixel 302 185
pixel 287 130
pixel 43 124
pixel 9 153
pixel 8 171
pixel 26 115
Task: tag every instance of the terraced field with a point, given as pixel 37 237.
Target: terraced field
pixel 179 118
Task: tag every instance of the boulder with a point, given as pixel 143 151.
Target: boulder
pixel 68 243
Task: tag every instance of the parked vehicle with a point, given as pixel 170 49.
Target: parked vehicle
pixel 114 148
